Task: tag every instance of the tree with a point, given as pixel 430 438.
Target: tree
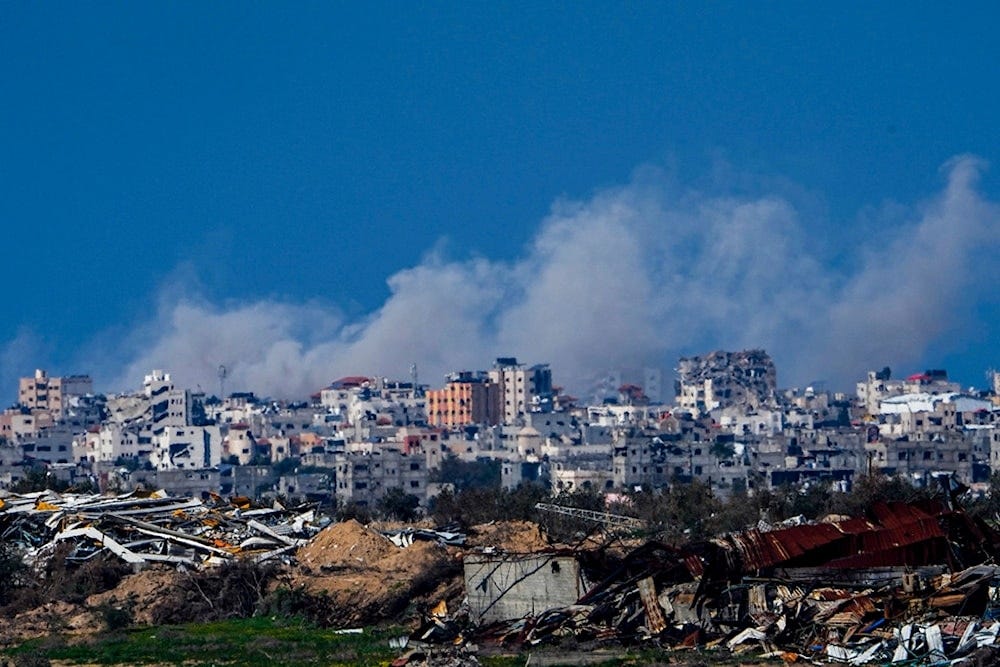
pixel 739 512
pixel 444 508
pixel 987 506
pixel 286 466
pixel 349 511
pixel 869 489
pixel 468 474
pixel 14 574
pixel 397 505
pixel 681 512
pixel 788 500
pixel 484 504
pixel 38 478
pixel 568 529
pixel 722 450
pixel 130 463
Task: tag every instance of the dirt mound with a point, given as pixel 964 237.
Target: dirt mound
pixel 346 544
pixel 413 560
pixel 509 536
pixel 383 588
pixel 50 618
pixel 140 592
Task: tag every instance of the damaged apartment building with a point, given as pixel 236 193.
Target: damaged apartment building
pixel 722 379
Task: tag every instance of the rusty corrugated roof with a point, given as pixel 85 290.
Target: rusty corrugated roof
pixel 897 534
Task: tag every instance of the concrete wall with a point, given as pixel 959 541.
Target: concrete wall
pixel 533 584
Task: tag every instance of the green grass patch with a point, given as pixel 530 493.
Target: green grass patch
pixel 263 642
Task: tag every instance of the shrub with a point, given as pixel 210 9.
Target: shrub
pixel 116 618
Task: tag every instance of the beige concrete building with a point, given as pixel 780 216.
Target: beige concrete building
pixel 521 389
pixel 50 394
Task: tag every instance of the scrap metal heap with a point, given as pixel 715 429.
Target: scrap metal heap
pixel 913 582
pixel 908 582
pixel 147 528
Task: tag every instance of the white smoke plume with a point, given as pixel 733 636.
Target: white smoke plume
pixel 634 277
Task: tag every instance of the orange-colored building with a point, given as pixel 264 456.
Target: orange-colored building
pixel 467 399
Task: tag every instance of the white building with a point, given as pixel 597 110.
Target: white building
pixel 187 447
pixel 521 389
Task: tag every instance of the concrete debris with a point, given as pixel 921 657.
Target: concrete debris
pixel 911 583
pixel 147 528
pixel 404 537
pixel 722 379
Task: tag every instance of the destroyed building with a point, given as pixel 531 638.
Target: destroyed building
pixel 722 379
pixel 912 582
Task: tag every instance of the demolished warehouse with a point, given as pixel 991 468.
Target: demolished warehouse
pixel 840 588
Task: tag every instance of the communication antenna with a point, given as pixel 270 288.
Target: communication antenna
pixel 223 372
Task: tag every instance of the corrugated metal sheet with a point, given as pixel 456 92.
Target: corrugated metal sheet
pixel 897 534
pixel 694 565
pixel 762 550
pixel 894 515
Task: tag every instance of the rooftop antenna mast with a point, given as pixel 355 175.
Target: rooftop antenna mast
pixel 223 372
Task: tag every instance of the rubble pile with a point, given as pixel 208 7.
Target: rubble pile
pixel 148 528
pixel 909 582
pixel 748 377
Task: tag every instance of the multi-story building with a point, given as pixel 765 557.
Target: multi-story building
pixel 241 444
pixel 168 405
pixel 51 445
pixel 723 379
pixel 649 379
pixel 363 479
pixel 879 386
pixel 521 389
pixel 467 398
pixel 918 414
pixel 187 447
pixel 20 422
pixel 41 393
pixel 920 459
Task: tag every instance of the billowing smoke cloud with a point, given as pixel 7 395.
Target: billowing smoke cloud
pixel 923 284
pixel 634 277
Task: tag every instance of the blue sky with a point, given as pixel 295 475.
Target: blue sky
pixel 280 179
